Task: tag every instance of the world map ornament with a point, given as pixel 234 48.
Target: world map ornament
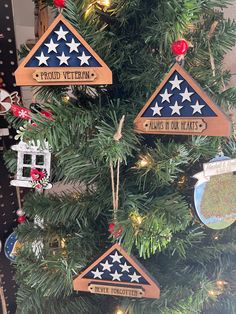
pixel 214 193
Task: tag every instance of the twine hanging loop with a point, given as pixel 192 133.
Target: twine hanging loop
pixel 115 188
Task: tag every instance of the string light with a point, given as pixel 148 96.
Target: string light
pixel 119 312
pixel 144 161
pixel 88 10
pixel 182 181
pixel 104 3
pixel 63 243
pixel 216 237
pixel 136 218
pixel 139 220
pixel 220 283
pixel 65 98
pixel 212 293
pixel 219 289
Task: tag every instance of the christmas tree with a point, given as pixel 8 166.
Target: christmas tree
pixel 131 188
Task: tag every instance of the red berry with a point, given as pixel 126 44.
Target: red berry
pixel 59 3
pixel 21 219
pixel 111 227
pixel 38 186
pixel 115 233
pixel 179 47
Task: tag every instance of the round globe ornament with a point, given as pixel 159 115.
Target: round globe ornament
pixel 11 247
pixel 214 193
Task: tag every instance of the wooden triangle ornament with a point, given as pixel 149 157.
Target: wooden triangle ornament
pixel 119 274
pixel 180 107
pixel 62 57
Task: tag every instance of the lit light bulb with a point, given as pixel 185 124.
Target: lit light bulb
pixel 216 237
pixel 89 10
pixel 136 218
pixel 216 292
pixel 63 243
pixel 104 3
pixel 220 282
pixel 65 98
pixel 144 161
pixel 139 219
pixel 211 292
pixel 182 181
pixel 119 312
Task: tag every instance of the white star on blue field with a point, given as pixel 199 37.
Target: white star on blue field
pixel 115 267
pixel 9 246
pixel 177 98
pixel 61 48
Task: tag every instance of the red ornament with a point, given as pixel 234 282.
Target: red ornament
pixel 115 233
pixel 36 175
pixel 180 47
pixel 21 219
pixel 25 113
pixel 59 3
pixel 38 186
pixel 47 114
pixel 20 112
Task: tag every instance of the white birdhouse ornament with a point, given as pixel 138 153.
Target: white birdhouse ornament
pixel 33 165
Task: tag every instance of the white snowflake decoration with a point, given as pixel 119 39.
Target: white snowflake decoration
pixel 37 248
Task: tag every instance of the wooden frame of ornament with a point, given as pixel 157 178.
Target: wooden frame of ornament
pixel 135 290
pixel 97 75
pixel 211 126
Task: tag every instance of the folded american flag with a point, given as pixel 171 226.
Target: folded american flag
pixel 61 48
